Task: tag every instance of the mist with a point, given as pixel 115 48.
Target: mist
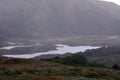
pixel 58 18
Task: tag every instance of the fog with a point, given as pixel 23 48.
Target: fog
pixel 58 18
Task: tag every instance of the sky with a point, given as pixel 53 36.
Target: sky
pixel 114 1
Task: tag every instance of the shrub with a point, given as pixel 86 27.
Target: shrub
pixel 116 67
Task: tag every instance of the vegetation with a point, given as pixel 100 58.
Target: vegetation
pixel 74 60
pixel 8 74
pixel 117 67
pixel 34 69
pixel 106 55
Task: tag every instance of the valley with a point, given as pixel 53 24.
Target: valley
pixel 36 48
pixel 30 46
pixel 59 40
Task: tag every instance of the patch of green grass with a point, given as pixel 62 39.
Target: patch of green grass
pixel 74 60
pixel 6 74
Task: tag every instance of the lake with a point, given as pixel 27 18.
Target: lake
pixel 60 49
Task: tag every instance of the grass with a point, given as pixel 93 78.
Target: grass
pixel 33 69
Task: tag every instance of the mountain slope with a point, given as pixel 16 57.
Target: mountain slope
pixel 55 18
pixel 33 69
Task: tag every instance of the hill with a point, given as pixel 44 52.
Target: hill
pixel 105 55
pixel 34 69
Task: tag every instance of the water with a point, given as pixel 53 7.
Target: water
pixel 60 49
pixel 10 47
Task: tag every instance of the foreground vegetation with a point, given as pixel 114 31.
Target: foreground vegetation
pixel 34 69
pixel 75 60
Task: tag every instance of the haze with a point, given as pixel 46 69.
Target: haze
pixel 58 18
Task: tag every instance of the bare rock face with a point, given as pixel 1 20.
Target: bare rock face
pixel 48 18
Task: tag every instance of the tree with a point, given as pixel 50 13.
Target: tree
pixel 116 67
